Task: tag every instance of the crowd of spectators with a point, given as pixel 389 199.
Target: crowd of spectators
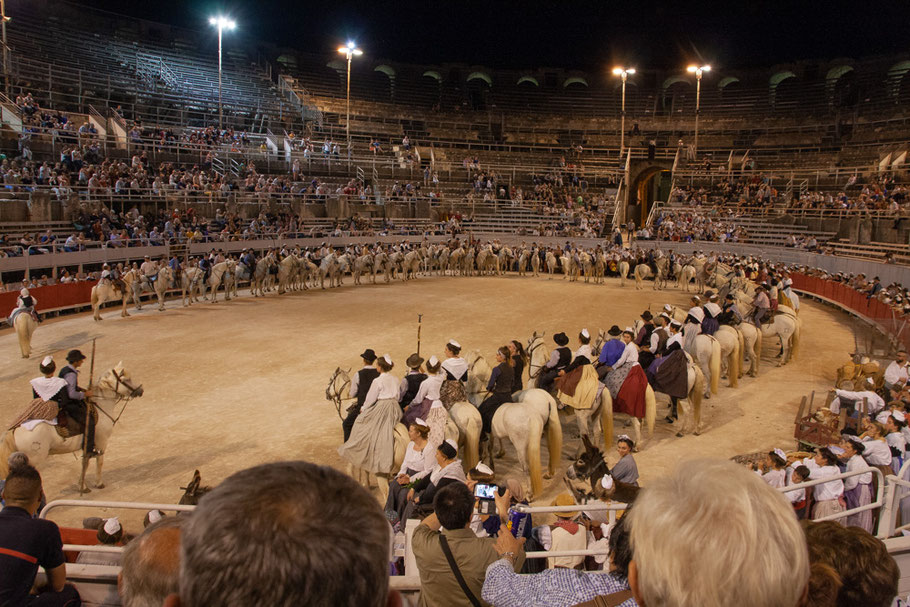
pixel 680 226
pixel 282 533
pixel 882 193
pixel 753 192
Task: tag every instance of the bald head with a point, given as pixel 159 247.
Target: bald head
pixel 151 565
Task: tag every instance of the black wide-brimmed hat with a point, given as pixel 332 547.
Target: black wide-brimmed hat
pixel 646 315
pixel 368 355
pixel 561 339
pixel 74 356
pixel 414 361
pixel 614 331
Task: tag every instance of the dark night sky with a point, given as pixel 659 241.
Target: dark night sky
pixel 660 34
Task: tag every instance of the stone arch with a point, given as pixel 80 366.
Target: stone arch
pixel 775 81
pixel 725 82
pixel 388 70
pixel 434 75
pixel 480 76
pixel 574 80
pixel 337 65
pixel 529 80
pixel 833 78
pixel 673 80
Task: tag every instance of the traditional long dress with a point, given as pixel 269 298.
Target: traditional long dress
pixel 617 376
pixel 456 373
pixel 371 445
pixel 423 400
pixel 858 492
pixel 417 464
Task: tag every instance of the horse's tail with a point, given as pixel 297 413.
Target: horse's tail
pixel 742 352
pixel 696 394
pixel 535 429
pixel 650 409
pixel 733 363
pixel 606 418
pixel 794 341
pixel 95 295
pixel 554 434
pixel 7 447
pixel 472 438
pixel 714 366
pixel 757 348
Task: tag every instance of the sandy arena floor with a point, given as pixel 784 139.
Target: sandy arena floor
pixel 230 385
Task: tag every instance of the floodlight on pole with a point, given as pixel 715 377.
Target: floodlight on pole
pixel 349 50
pixel 222 23
pixel 624 73
pixel 698 70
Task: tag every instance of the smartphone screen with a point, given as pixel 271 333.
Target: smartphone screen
pixel 483 491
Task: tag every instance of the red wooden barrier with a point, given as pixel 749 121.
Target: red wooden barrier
pixel 52 297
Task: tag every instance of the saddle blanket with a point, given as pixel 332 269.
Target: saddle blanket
pixel 38 410
pixel 585 390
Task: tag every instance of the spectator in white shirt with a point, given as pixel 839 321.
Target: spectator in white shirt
pixel 827 495
pixel 874 402
pixel 896 372
pixel 857 489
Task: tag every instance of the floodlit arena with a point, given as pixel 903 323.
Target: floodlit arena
pixel 214 243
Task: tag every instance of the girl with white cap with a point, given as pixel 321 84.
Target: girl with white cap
pixel 625 470
pixel 827 495
pixel 427 392
pixel 895 439
pixel 456 371
pixel 774 469
pixel 583 355
pixel 857 489
pixel 371 446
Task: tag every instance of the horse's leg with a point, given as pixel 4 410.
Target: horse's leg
pixel 502 448
pixel 99 464
pixel 382 481
pixel 636 432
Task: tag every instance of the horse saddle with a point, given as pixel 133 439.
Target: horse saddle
pixel 568 382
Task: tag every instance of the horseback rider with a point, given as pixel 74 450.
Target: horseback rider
pixel 175 266
pixel 248 259
pixel 112 277
pixel 360 386
pixel 559 360
pixel 206 266
pixel 730 315
pixel 762 305
pixel 456 371
pixel 25 303
pixel 692 326
pixel 583 355
pixel 410 384
pixel 148 272
pixel 76 405
pixel 499 388
pixel 712 310
pixel 610 352
pixel 660 335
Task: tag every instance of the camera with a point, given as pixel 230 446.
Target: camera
pixel 486 493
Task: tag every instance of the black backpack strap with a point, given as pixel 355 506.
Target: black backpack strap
pixel 454 566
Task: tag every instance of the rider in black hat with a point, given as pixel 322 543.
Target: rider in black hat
pixel 360 386
pixel 559 360
pixel 75 406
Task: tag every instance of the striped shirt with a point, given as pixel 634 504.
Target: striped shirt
pixel 551 588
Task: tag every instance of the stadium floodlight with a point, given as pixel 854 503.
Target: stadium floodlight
pixel 698 70
pixel 624 73
pixel 222 23
pixel 349 50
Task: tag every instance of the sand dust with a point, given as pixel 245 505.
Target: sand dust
pixel 230 385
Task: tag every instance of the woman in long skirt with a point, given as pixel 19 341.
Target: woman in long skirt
pixel 627 360
pixel 371 446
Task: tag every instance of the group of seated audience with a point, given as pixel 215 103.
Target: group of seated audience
pixel 679 226
pixel 295 533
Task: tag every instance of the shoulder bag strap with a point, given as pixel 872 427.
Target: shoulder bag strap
pixel 454 566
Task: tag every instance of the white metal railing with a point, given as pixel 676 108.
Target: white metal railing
pixel 107 504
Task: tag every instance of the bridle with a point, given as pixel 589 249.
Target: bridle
pixel 334 394
pixel 134 391
pixel 533 344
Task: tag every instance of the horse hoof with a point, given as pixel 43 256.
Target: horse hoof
pixel 85 490
pixel 548 476
pixel 100 486
pixel 679 434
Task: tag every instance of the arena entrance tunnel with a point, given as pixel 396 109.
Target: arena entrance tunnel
pixel 652 183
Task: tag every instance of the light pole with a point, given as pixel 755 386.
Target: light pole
pixel 222 23
pixel 624 73
pixel 697 70
pixel 349 50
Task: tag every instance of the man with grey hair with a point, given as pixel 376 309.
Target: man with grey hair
pixel 150 568
pixel 714 534
pixel 286 534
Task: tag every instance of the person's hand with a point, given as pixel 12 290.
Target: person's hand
pixel 506 542
pixel 89 393
pixel 561 373
pixel 410 494
pixel 502 503
pixel 471 484
pixel 404 479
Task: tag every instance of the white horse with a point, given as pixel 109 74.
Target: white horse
pixel 623 271
pixel 261 273
pixel 690 407
pixel 551 264
pixel 523 422
pixel 686 276
pixel 114 390
pixel 106 291
pixel 535 263
pixel 363 265
pixel 411 265
pixel 288 271
pixel 643 271
pixel 706 352
pixel 25 328
pixel 137 284
pixel 192 283
pixel 222 274
pixel 785 325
